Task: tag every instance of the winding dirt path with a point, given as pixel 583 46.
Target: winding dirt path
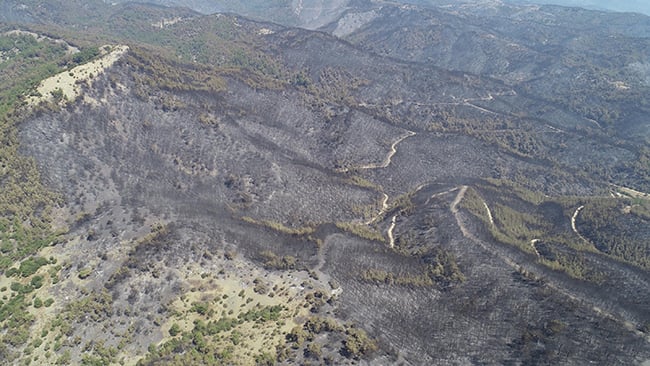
pixel 383 210
pixel 625 191
pixel 391 239
pixel 384 204
pixel 468 102
pixel 573 223
pixel 534 246
pixel 594 122
pixel 456 201
pixel 461 224
pixel 387 160
pixel 393 150
pixel 554 129
pixel 440 194
pixel 384 164
pixel 489 213
pixel 479 108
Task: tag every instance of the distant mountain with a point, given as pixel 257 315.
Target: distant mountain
pixel 637 6
pixel 314 14
pixel 95 16
pixel 309 14
pixel 557 53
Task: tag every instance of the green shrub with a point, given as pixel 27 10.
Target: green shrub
pixel 362 231
pixel 200 308
pixel 174 330
pixel 357 344
pixel 85 273
pixel 29 266
pixel 37 281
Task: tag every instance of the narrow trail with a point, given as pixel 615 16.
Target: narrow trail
pixel 387 160
pixel 489 213
pixel 594 122
pixel 440 194
pixel 466 233
pixel 456 201
pixel 573 223
pixel 625 191
pixel 479 108
pixel 554 129
pixel 534 246
pixel 384 164
pixel 391 238
pixel 382 210
pixel 468 102
pixel 384 204
pixel 454 210
pixel 393 150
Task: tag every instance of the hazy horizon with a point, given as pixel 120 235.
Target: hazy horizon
pixel 638 6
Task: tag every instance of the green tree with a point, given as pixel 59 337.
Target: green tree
pixel 174 330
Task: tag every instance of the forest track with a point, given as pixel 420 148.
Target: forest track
pixel 441 194
pixel 387 160
pixel 384 204
pixel 391 238
pixel 382 211
pixel 479 108
pixel 456 201
pixel 489 213
pixel 573 223
pixel 393 150
pixel 533 244
pixel 625 191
